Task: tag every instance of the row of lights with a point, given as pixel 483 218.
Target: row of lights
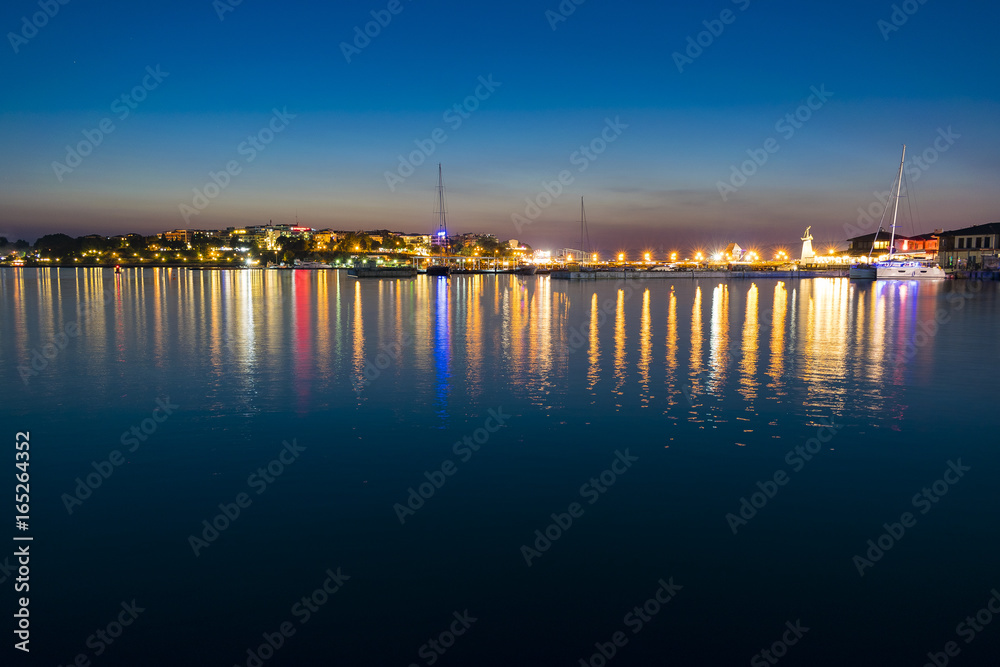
pixel 750 256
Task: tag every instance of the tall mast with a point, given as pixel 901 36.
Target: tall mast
pixel 895 208
pixel 584 234
pixel 442 237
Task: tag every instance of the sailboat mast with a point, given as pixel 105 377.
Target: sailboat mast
pixel 895 208
pixel 442 222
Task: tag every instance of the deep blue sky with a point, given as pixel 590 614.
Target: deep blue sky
pixel 655 185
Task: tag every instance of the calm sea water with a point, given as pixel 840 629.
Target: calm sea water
pixel 729 447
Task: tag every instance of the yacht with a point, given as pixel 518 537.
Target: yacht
pixel 903 267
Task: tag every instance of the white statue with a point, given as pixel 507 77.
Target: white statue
pixel 807 247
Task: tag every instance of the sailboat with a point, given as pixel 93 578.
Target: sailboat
pixel 895 269
pixel 904 268
pixel 443 270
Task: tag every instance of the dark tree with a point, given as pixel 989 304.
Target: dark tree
pixel 56 244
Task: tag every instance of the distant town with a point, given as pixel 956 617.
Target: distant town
pixel 262 245
pixel 969 248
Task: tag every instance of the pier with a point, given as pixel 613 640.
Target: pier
pixel 686 275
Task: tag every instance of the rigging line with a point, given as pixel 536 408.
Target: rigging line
pixel 909 204
pixel 885 209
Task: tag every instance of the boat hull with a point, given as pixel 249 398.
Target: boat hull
pixel 444 271
pixel 862 273
pixel 909 271
pixel 385 272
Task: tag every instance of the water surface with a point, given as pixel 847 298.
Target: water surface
pixel 526 390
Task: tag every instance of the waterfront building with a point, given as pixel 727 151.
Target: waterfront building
pixel 325 240
pixel 416 239
pixel 268 236
pixel 877 243
pixel 970 248
pixel 182 235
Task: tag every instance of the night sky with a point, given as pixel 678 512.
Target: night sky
pixel 212 76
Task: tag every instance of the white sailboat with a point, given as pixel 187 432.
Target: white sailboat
pixel 908 268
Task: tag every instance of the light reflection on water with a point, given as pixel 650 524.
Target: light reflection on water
pixel 253 341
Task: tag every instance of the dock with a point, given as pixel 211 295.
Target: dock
pixel 688 275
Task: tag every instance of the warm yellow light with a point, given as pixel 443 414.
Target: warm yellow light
pixel 647 256
pixel 621 256
pixel 595 256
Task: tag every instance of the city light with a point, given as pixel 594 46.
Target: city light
pixel 621 257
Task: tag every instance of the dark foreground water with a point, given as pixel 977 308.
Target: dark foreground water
pixel 300 468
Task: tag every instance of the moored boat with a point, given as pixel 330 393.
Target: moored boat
pixel 383 272
pixel 901 268
pixel 862 272
pixel 441 270
pixel 909 268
